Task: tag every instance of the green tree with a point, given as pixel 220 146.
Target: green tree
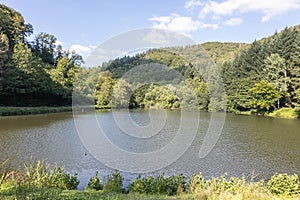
pixel 65 73
pixel 122 94
pixel 104 90
pixel 44 47
pixel 276 73
pixel 4 47
pixel 162 97
pixel 12 24
pixel 201 91
pixel 264 96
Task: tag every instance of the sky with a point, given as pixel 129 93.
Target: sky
pixel 82 25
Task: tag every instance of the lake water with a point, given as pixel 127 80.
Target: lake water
pixel 248 145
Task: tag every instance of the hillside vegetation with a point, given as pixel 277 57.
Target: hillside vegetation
pixel 261 77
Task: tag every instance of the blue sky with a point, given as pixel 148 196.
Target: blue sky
pixel 82 25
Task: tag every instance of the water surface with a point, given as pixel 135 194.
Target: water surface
pixel 249 145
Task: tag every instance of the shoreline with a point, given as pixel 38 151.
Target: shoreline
pixel 14 111
pixel 282 113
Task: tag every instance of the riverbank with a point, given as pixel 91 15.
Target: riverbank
pixel 7 111
pixel 287 113
pixel 36 181
pixel 284 113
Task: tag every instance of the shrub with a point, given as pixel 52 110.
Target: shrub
pixel 196 184
pixel 95 183
pixel 233 185
pixel 114 183
pixel 284 184
pixel 160 185
pixel 60 179
pixel 38 173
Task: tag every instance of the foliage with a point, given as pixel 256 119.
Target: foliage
pixel 6 111
pixel 264 96
pixel 37 181
pixel 284 184
pixel 173 185
pixel 41 73
pixel 95 183
pixel 274 59
pixel 33 73
pixel 104 90
pixel 161 97
pixel 289 113
pixel 37 173
pixel 114 183
pixel 218 185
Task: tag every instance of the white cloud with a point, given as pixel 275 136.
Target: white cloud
pixel 82 50
pixel 269 8
pixel 191 4
pixel 233 22
pixel 182 24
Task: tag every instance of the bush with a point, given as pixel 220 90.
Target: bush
pixel 197 184
pixel 160 185
pixel 233 185
pixel 95 183
pixel 60 179
pixel 114 183
pixel 284 184
pixel 37 173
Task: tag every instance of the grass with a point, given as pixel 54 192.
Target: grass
pixel 37 181
pixel 6 111
pixel 288 113
pixel 57 194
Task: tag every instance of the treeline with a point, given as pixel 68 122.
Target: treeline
pixel 259 77
pixel 33 73
pixel 266 76
pixel 188 80
pixel 151 82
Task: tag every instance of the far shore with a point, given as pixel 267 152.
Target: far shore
pixel 286 113
pixel 9 110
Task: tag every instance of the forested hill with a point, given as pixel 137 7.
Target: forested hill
pixel 182 59
pixel 222 52
pixel 258 77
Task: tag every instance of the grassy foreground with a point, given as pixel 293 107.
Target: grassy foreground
pixel 6 111
pixel 37 181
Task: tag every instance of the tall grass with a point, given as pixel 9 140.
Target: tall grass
pixel 38 181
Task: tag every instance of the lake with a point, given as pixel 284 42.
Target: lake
pixel 248 145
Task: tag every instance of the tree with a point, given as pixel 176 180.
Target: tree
pixel 65 73
pixel 276 73
pixel 44 47
pixel 161 97
pixel 201 91
pixel 12 24
pixel 122 94
pixel 4 47
pixel 104 90
pixel 264 96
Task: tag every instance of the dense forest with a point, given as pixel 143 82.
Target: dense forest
pixel 266 75
pixel 33 73
pixel 259 77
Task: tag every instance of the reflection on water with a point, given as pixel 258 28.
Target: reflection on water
pixel 248 144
